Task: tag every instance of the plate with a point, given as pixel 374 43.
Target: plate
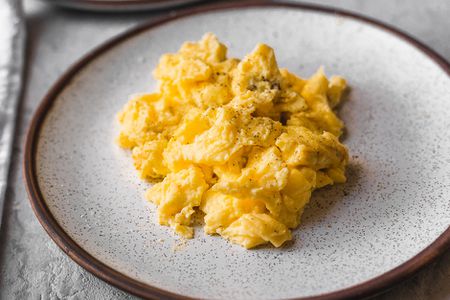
pixel 390 218
pixel 121 5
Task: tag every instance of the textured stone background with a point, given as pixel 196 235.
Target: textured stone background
pixel 31 265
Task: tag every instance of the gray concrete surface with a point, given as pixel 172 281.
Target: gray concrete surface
pixel 31 265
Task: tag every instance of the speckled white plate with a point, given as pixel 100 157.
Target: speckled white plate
pixel 391 218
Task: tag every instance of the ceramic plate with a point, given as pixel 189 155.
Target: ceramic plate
pixel 121 5
pixel 388 220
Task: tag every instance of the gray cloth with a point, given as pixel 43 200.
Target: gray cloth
pixel 12 42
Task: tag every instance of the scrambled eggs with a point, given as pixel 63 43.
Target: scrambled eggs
pixel 242 141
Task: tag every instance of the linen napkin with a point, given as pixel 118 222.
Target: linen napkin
pixel 12 43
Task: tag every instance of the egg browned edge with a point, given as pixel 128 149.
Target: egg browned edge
pixel 111 276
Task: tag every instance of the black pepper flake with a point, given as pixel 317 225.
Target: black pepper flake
pixel 275 86
pixel 251 87
pixel 284 116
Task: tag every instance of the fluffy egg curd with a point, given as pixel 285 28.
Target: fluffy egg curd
pixel 242 143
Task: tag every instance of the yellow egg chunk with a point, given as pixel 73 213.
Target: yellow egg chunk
pixel 177 196
pixel 148 159
pixel 241 141
pixel 254 229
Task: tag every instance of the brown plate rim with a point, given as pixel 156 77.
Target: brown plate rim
pixel 115 278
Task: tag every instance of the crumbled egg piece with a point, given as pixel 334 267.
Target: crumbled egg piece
pixel 244 142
